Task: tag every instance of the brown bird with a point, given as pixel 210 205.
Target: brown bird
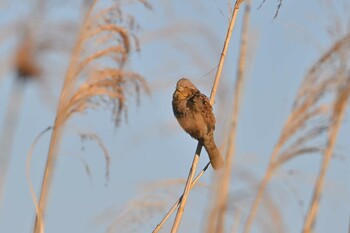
pixel 195 115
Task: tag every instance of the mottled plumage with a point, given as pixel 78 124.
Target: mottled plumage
pixel 195 115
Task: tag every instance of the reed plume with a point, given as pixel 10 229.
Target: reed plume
pixel 310 117
pixel 96 77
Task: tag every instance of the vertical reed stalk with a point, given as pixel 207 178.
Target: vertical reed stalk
pixel 47 178
pixel 338 116
pixel 8 130
pixel 61 115
pixel 222 198
pixel 212 98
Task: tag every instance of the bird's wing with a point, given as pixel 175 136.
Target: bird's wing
pixel 200 103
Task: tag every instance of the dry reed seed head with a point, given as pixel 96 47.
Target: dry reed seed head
pixel 107 83
pixel 136 215
pixel 324 70
pixel 25 62
pixel 95 138
pixel 154 200
pixel 311 114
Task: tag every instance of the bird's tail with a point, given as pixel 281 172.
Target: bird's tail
pixel 214 155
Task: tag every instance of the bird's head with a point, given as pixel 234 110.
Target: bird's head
pixel 184 89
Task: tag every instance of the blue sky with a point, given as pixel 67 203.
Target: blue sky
pixel 177 39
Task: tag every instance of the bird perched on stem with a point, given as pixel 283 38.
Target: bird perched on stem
pixel 195 115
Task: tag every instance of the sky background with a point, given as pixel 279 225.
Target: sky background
pixel 150 153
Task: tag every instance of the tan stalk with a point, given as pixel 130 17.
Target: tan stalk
pixel 47 178
pixel 30 184
pixel 212 98
pixel 337 118
pixel 8 131
pixel 222 198
pixel 56 132
pixel 181 208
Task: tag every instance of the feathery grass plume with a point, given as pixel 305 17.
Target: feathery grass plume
pixel 239 198
pixel 142 210
pixel 337 118
pixel 137 213
pixel 212 98
pixel 271 221
pixel 217 217
pixel 94 137
pixel 310 117
pixel 339 60
pixel 96 77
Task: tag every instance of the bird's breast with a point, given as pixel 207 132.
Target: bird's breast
pixel 193 124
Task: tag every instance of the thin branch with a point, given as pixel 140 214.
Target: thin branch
pixel 224 50
pixel 160 225
pixel 30 184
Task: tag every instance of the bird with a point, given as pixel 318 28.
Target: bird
pixel 194 113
